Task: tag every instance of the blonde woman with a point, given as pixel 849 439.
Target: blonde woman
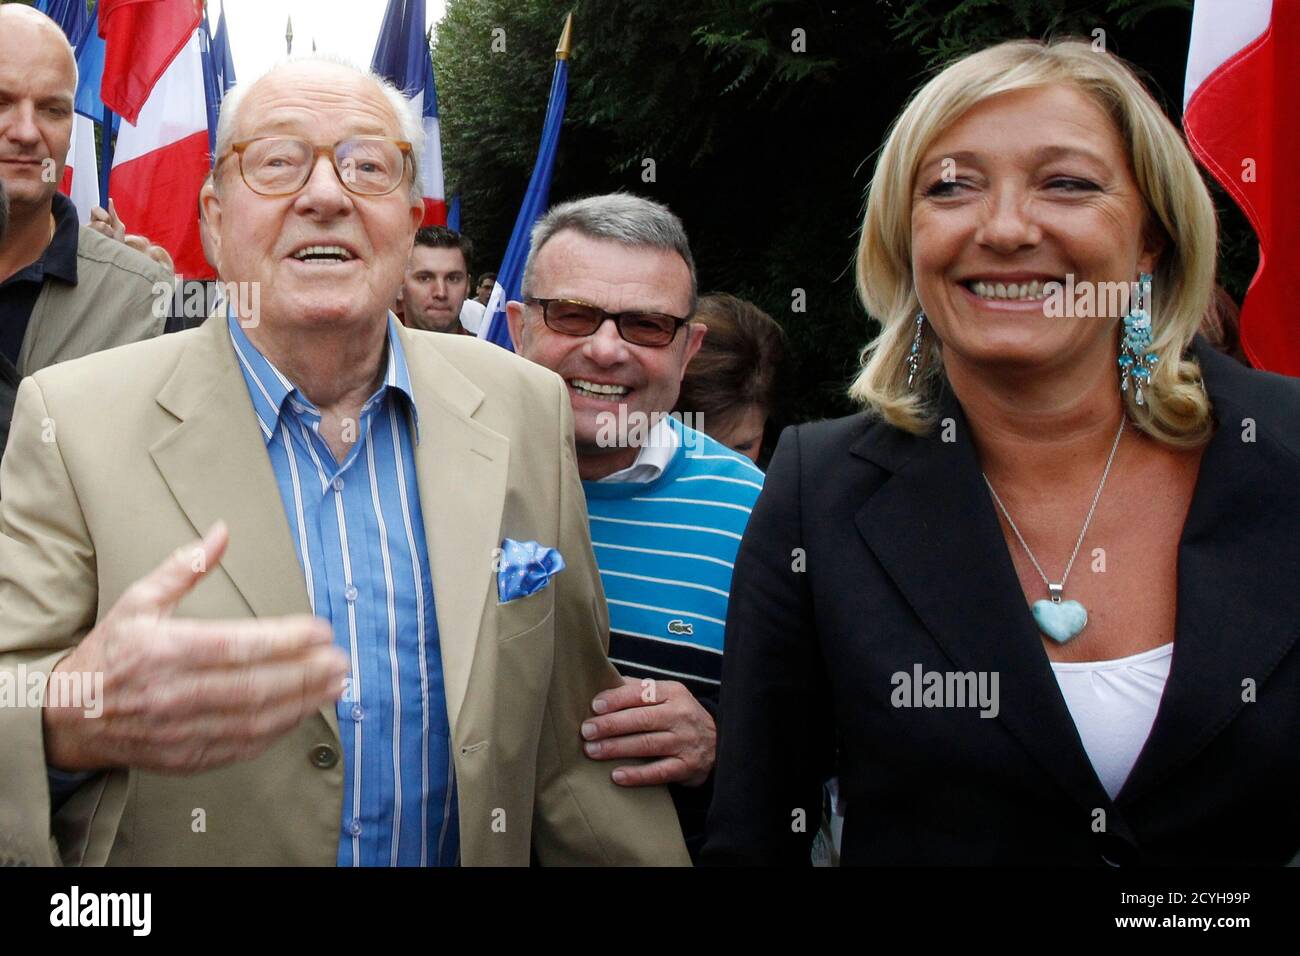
pixel 1038 602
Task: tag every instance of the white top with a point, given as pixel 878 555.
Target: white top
pixel 1114 704
pixel 653 458
pixel 471 315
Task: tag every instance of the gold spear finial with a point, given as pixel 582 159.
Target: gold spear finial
pixel 566 39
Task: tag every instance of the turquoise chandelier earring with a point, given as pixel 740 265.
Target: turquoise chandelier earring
pixel 1136 358
pixel 914 356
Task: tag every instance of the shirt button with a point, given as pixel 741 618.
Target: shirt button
pixel 338 484
pixel 323 756
pixel 354 828
pixel 350 592
pixel 357 712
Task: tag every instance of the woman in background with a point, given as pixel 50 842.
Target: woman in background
pixel 730 384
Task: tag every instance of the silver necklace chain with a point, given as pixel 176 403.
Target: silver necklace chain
pixel 1055 590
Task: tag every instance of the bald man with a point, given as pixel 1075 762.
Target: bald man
pixel 65 291
pixel 323 583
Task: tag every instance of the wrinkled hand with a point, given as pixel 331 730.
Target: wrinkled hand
pixel 652 718
pixel 107 223
pixel 182 696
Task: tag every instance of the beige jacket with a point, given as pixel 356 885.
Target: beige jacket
pixel 114 302
pixel 119 458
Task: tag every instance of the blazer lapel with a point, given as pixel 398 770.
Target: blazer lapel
pixel 932 527
pixel 461 468
pixel 216 465
pixel 1238 563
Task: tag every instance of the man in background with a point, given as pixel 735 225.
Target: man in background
pixel 484 291
pixel 65 290
pixel 435 289
pixel 609 291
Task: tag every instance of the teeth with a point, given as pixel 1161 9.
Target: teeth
pixel 312 251
pixel 592 388
pixel 1026 291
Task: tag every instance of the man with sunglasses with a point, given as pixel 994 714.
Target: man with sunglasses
pixel 339 663
pixel 609 288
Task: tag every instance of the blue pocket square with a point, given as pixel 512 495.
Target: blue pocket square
pixel 526 566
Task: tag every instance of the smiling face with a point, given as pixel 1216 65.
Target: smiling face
pixel 37 84
pixel 359 245
pixel 602 370
pixel 1025 188
pixel 434 288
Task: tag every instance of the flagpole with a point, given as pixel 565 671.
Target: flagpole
pixel 536 197
pixel 106 140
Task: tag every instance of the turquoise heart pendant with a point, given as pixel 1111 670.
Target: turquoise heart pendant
pixel 1060 620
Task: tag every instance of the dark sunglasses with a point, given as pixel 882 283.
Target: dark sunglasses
pixel 570 317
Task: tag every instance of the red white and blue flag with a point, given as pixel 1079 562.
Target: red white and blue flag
pixel 161 161
pixel 141 39
pixel 1242 119
pixel 402 57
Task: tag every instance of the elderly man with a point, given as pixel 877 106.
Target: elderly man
pixel 609 288
pixel 408 490
pixel 65 291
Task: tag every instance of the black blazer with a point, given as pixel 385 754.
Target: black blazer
pixel 871 551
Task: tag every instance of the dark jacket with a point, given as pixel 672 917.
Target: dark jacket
pixel 904 563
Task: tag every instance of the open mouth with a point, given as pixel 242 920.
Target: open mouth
pixel 323 254
pixel 596 390
pixel 1034 290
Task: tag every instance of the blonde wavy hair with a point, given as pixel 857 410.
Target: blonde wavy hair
pixel 1177 410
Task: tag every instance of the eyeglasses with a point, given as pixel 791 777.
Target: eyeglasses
pixel 281 165
pixel 570 317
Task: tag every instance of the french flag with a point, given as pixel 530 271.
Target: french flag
pixel 1242 119
pixel 402 57
pixel 141 39
pixel 161 161
pixel 80 181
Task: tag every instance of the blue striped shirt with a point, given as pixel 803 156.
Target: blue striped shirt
pixel 359 534
pixel 666 549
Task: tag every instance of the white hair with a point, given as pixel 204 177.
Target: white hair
pixel 410 126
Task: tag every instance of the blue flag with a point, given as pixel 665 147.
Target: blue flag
pixel 402 51
pixel 511 274
pixel 453 214
pixel 69 14
pixel 223 63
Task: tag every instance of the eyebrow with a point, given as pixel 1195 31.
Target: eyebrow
pixel 299 128
pixel 1044 154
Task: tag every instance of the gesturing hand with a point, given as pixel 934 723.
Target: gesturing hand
pixel 652 718
pixel 183 696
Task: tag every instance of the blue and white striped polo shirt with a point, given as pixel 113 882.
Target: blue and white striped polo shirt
pixel 359 533
pixel 666 549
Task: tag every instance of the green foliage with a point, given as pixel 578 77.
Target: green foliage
pixel 765 152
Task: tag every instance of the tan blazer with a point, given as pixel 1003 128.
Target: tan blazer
pixel 118 458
